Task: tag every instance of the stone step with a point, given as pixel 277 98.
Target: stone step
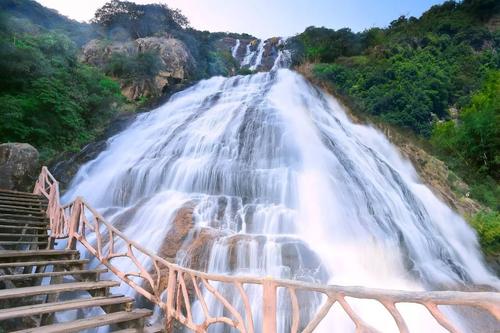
pixel 38 309
pixel 84 273
pixel 12 293
pixel 68 263
pixel 124 317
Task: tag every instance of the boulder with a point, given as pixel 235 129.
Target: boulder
pixel 176 63
pixel 19 166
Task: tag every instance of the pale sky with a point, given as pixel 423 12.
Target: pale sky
pixel 267 18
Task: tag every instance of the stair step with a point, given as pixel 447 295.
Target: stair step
pixel 69 262
pixel 22 213
pixel 54 288
pixel 51 274
pixel 24 235
pixel 32 310
pixel 87 323
pixel 17 203
pixel 28 228
pixel 4 207
pixel 23 217
pixel 9 254
pixel 39 200
pixel 23 242
pixel 40 222
pixel 19 194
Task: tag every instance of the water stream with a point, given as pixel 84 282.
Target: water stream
pixel 295 190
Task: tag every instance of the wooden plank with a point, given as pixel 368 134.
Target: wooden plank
pixel 24 217
pixel 21 212
pixel 49 274
pixel 4 207
pixel 22 242
pixel 40 222
pixel 27 204
pixel 28 228
pixel 11 254
pixel 54 288
pixel 20 194
pixel 37 309
pixel 87 323
pixel 68 262
pixel 24 235
pixel 24 200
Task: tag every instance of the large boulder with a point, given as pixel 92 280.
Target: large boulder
pixel 176 63
pixel 19 166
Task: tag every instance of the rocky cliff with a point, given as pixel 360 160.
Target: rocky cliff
pixel 173 64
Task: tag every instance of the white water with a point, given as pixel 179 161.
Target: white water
pixel 258 58
pixel 234 49
pixel 300 191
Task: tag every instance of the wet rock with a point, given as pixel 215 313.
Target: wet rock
pixel 181 226
pixel 19 166
pixel 66 166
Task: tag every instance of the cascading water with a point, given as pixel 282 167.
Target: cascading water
pixel 292 189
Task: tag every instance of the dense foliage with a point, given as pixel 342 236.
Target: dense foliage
pixel 438 76
pixel 48 98
pixel 417 74
pixel 410 73
pixel 487 225
pixel 27 13
pixel 471 143
pixel 124 19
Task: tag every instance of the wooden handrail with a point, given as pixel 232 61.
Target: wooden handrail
pixel 174 288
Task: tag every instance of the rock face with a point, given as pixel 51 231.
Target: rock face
pixel 175 60
pixel 19 166
pixel 254 54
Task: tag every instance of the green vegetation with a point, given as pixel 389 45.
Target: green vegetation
pixel 471 144
pixel 48 98
pixel 140 66
pixel 487 225
pixel 438 76
pixel 412 72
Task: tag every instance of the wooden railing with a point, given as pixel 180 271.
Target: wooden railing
pixel 174 289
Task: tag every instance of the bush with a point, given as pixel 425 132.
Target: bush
pixel 487 225
pixel 48 98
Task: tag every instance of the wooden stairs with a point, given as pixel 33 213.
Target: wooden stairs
pixel 38 282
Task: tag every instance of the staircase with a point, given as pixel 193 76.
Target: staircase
pixel 37 281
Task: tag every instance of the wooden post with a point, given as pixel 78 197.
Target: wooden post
pixel 269 306
pixel 169 305
pixel 74 223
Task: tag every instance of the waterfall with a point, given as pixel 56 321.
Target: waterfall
pixel 234 49
pixel 291 188
pixel 260 53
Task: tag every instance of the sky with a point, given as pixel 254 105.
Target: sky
pixel 268 18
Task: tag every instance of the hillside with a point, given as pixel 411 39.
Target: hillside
pixel 433 79
pixel 436 77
